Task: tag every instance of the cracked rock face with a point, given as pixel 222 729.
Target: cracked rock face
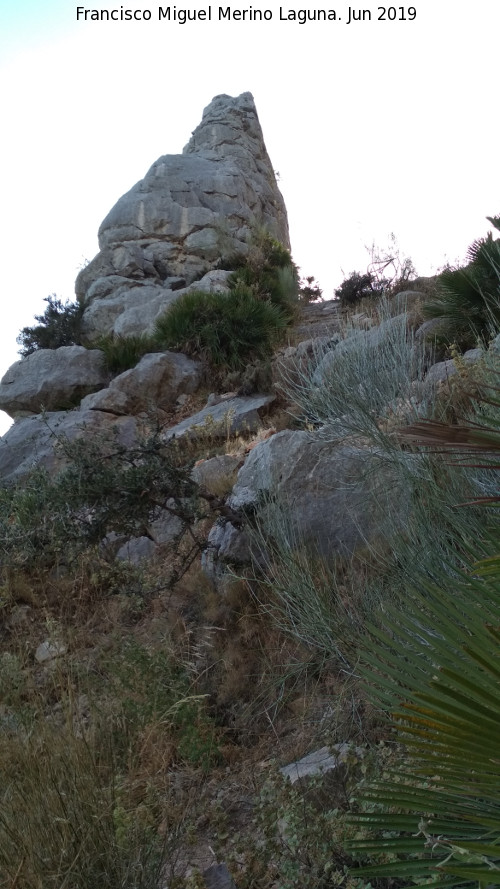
pixel 193 209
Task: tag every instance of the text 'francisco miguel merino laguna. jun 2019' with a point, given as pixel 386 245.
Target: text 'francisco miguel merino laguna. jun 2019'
pixel 347 15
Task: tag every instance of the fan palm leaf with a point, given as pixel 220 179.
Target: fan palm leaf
pixel 468 299
pixel 435 670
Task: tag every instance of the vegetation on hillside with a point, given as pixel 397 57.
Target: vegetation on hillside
pixel 226 329
pixel 468 298
pixel 152 729
pixel 60 325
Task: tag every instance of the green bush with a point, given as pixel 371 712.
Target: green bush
pixel 309 290
pixel 269 272
pixel 155 689
pixel 123 352
pixel 60 325
pixel 357 287
pixel 227 329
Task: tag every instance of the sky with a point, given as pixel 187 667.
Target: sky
pixel 387 123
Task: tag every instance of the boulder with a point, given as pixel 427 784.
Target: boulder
pixel 192 209
pixel 33 441
pixel 154 383
pixel 217 876
pixel 226 546
pixel 336 497
pixel 429 329
pixel 166 527
pixel 51 380
pixel 217 475
pixel 136 551
pixel 231 416
pixel 443 370
pixel 127 311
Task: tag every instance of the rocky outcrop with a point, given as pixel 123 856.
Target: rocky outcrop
pixel 130 308
pixel 153 384
pixel 51 380
pixel 188 212
pixel 337 497
pixel 33 441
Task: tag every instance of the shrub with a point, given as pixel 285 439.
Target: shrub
pixel 468 298
pixel 268 270
pixel 388 272
pixel 105 487
pixel 155 690
pixel 123 352
pixel 227 329
pixel 356 287
pixel 60 325
pixel 309 290
pixel 391 270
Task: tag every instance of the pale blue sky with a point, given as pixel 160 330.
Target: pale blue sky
pixel 374 127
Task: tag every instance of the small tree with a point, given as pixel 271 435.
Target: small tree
pixel 60 325
pixel 356 287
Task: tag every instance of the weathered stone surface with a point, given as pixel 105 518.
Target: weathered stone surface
pixel 218 877
pixel 229 417
pixel 323 760
pixel 130 308
pixel 51 379
pixel 166 527
pixel 153 384
pixel 127 311
pixel 137 550
pixel 192 209
pixel 337 497
pixel 49 650
pixel 429 329
pixel 226 545
pixel 218 474
pixel 443 370
pixel 406 300
pixel 32 441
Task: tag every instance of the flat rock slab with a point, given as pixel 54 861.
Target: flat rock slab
pixel 230 417
pixel 321 761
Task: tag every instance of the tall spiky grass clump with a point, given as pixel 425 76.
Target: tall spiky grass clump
pixel 362 390
pixel 123 352
pixel 226 329
pixel 268 270
pixel 364 381
pixel 67 818
pixel 60 325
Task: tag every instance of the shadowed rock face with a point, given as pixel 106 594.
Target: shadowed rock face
pixel 192 209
